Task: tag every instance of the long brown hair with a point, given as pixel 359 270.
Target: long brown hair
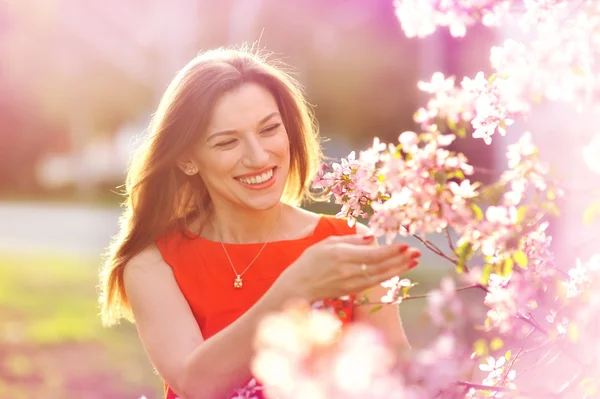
pixel 159 196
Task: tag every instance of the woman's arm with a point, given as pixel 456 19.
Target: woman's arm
pixel 387 319
pixel 196 368
pixel 192 367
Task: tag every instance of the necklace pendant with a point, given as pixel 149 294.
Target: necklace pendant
pixel 237 283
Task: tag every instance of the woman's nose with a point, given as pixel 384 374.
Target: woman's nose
pixel 255 155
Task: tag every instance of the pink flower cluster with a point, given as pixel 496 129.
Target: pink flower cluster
pixel 488 105
pixel 557 64
pixel 527 195
pixel 328 362
pixel 522 286
pixel 422 18
pixel 531 313
pixel 303 353
pixel 407 186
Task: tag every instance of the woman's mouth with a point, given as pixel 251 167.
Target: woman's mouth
pixel 263 180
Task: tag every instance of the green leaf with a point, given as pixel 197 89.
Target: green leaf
pixel 480 347
pixel 451 124
pixel 464 252
pixel 461 132
pixel 573 333
pixel 457 174
pixel 502 124
pixel 375 308
pixel 506 267
pixel 507 355
pixel 342 314
pixel 577 70
pixel 521 212
pixel 492 78
pixel 591 213
pixel 493 193
pixel 551 208
pixel 590 385
pixel 440 177
pixel 486 272
pixel 520 257
pixel 381 178
pixel 478 212
pixel 496 344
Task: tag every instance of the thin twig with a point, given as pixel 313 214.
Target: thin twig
pixel 447 233
pixel 436 250
pixel 515 358
pixel 483 387
pixel 570 385
pixel 531 321
pixel 467 287
pixel 540 346
pixel 541 359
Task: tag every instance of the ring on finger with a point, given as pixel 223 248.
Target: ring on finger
pixel 363 267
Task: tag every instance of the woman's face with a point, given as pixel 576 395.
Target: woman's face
pixel 244 156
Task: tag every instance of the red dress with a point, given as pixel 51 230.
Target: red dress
pixel 205 277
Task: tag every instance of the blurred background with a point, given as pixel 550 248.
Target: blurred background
pixel 79 80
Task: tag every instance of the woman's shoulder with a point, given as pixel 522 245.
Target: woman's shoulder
pixel 148 260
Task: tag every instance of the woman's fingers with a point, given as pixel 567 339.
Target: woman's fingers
pixel 350 239
pixel 367 277
pixel 367 254
pixel 397 262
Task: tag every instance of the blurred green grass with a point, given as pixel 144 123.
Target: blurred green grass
pixel 52 344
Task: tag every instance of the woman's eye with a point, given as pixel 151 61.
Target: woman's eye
pixel 271 128
pixel 225 143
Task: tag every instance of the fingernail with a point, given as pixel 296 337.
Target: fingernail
pixel 413 264
pixel 415 254
pixel 403 249
pixel 368 237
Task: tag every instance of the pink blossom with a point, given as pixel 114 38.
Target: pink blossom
pixel 395 288
pixel 443 305
pixel 591 154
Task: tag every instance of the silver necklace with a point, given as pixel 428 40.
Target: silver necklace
pixel 237 283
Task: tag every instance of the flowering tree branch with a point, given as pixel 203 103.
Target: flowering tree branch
pixel 416 186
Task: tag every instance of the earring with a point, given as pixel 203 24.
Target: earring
pixel 191 170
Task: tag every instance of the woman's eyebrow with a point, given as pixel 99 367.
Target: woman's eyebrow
pixel 231 131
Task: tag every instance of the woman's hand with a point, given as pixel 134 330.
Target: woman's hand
pixel 344 265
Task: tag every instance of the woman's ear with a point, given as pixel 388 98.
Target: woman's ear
pixel 187 167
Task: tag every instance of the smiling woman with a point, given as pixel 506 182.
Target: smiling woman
pixel 244 153
pixel 212 238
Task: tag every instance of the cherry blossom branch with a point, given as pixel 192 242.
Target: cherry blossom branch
pixel 447 234
pixel 541 359
pixel 422 296
pixel 515 358
pixel 436 250
pixel 482 387
pixel 531 321
pixel 570 384
pixel 540 346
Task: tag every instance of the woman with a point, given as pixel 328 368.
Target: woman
pixel 212 239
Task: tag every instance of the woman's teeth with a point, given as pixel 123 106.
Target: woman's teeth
pixel 257 179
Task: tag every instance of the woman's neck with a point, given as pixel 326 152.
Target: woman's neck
pixel 242 227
